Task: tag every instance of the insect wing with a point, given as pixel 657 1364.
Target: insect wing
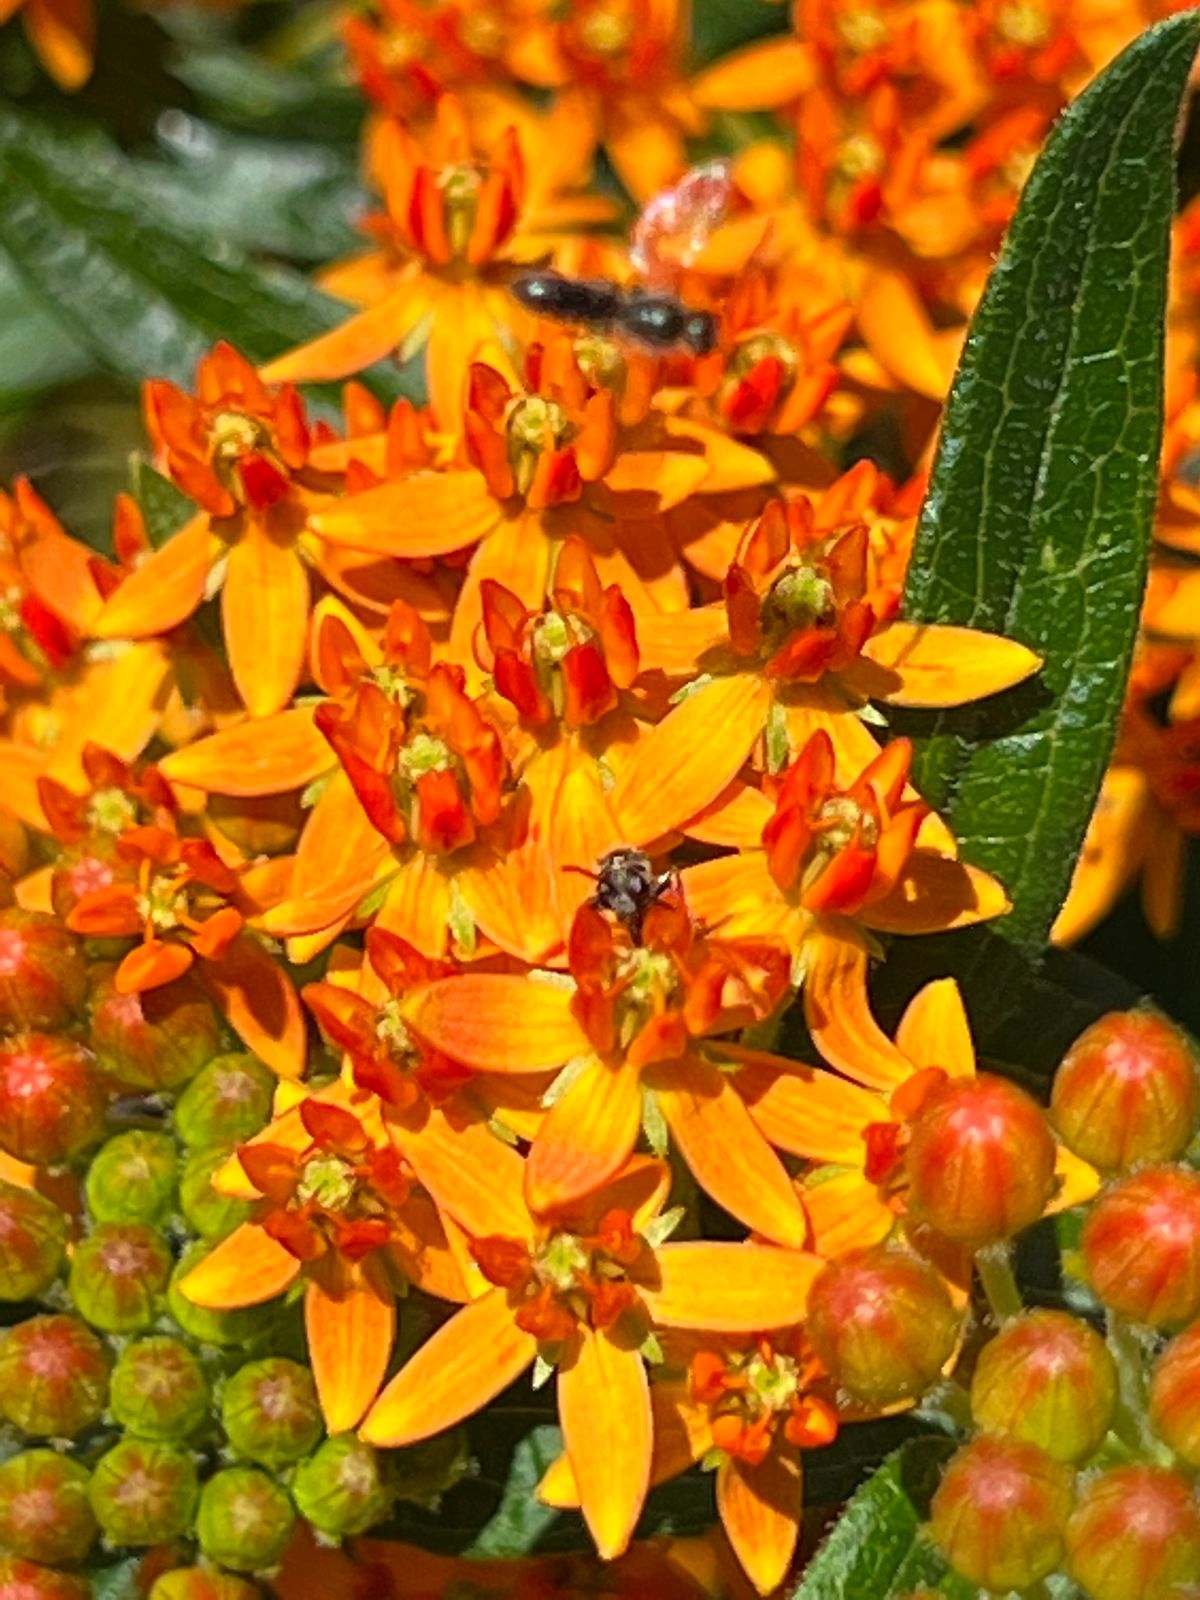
pixel 676 225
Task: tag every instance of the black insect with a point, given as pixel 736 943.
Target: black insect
pixel 627 885
pixel 658 321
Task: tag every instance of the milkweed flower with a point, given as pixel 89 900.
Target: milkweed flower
pixel 62 35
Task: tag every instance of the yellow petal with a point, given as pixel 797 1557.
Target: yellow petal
pixel 760 77
pixel 357 343
pixel 1077 1181
pixel 425 514
pixel 587 1137
pixel 803 1110
pixel 933 664
pixel 760 1510
pixel 266 756
pixel 846 1213
pixel 896 329
pixel 934 1031
pixel 165 589
pixel 730 1288
pixel 468 1171
pixel 838 1013
pixel 350 1322
pixel 682 1435
pixel 264 613
pixel 604 1408
pixel 933 894
pixel 681 644
pixel 245 1269
pixel 497 1023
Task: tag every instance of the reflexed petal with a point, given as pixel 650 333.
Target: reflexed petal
pixel 846 1213
pixel 933 664
pixel 264 612
pixel 469 1172
pixel 678 644
pixel 896 329
pixel 260 1005
pixel 681 1436
pixel 244 1270
pixel 738 895
pixel 417 906
pixel 357 343
pixel 425 514
pixel 1078 1182
pixel 805 1111
pixel 466 1363
pixel 267 756
pixel 933 894
pixel 760 1511
pixel 1113 851
pixel 150 965
pixel 604 1408
pixel 62 33
pixel 816 709
pixel 760 77
pixel 165 589
pixel 730 1288
pixel 497 1023
pixel 934 1031
pixel 350 1322
pixel 839 1016
pixel 735 819
pixel 587 1136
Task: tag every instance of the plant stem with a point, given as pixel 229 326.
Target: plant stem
pixel 994 1266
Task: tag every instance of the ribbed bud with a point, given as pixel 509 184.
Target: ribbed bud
pixel 42 974
pixel 155 1040
pixel 1175 1396
pixel 159 1390
pixel 33 1242
pixel 227 1330
pixel 1135 1535
pixel 270 1412
pixel 980 1161
pixel 23 1580
pixel 226 1102
pixel 52 1101
pixel 340 1489
pixel 1046 1378
pixel 882 1323
pixel 1141 1247
pixel 53 1377
pixel 208 1213
pixel 132 1178
pixel 118 1275
pixel 201 1583
pixel 44 1510
pixel 144 1493
pixel 1127 1094
pixel 999 1513
pixel 245 1519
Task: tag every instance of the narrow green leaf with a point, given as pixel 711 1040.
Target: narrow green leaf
pixel 164 507
pixel 522 1519
pixel 36 351
pixel 1038 516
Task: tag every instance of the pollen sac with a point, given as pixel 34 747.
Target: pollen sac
pixel 1048 1379
pixel 980 1161
pixel 883 1325
pixel 132 1179
pixel 143 1493
pixel 340 1490
pixel 1175 1396
pixel 999 1513
pixel 1134 1535
pixel 24 1580
pixel 118 1275
pixel 1127 1093
pixel 155 1040
pixel 159 1390
pixel 33 1242
pixel 44 1510
pixel 226 1102
pixel 53 1377
pixel 52 1101
pixel 1141 1247
pixel 42 973
pixel 244 1520
pixel 270 1412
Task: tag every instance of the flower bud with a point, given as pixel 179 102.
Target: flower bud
pixel 227 1330
pixel 33 1242
pixel 22 1580
pixel 339 1489
pixel 42 972
pixel 1175 1396
pixel 44 1510
pixel 999 1512
pixel 53 1377
pixel 1046 1378
pixel 159 1390
pixel 882 1323
pixel 980 1160
pixel 144 1493
pixel 1141 1247
pixel 1126 1093
pixel 200 1583
pixel 52 1100
pixel 1134 1535
pixel 154 1040
pixel 208 1213
pixel 132 1178
pixel 226 1102
pixel 118 1275
pixel 270 1412
pixel 245 1519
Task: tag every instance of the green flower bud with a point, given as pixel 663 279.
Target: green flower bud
pixel 22 1580
pixel 227 1330
pixel 155 1040
pixel 53 1377
pixel 33 1242
pixel 208 1213
pixel 200 1583
pixel 143 1493
pixel 245 1519
pixel 226 1102
pixel 118 1275
pixel 159 1390
pixel 339 1489
pixel 44 1510
pixel 271 1413
pixel 132 1178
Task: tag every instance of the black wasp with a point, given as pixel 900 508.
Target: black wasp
pixel 668 235
pixel 627 885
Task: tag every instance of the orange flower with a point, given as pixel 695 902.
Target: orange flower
pixel 337 1206
pixel 62 34
pixel 582 1291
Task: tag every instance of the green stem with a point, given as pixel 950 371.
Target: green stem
pixel 1129 1422
pixel 994 1266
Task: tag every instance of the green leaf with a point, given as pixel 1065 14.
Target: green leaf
pixel 146 294
pixel 36 351
pixel 1038 517
pixel 163 506
pixel 521 1519
pixel 116 1582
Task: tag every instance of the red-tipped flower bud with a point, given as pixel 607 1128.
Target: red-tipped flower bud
pixel 144 1493
pixel 52 1101
pixel 999 1513
pixel 53 1377
pixel 1134 1535
pixel 132 1179
pixel 1175 1396
pixel 1141 1247
pixel 226 1102
pixel 199 1583
pixel 339 1489
pixel 1127 1094
pixel 159 1390
pixel 42 974
pixel 154 1040
pixel 118 1275
pixel 44 1510
pixel 33 1242
pixel 1046 1378
pixel 980 1161
pixel 22 1580
pixel 245 1519
pixel 882 1323
pixel 271 1413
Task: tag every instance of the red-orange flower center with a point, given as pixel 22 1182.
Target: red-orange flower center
pixel 755 1393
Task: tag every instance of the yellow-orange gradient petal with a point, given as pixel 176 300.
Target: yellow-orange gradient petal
pixel 426 514
pixel 259 1004
pixel 62 33
pixel 604 1408
pixel 264 614
pixel 730 1288
pixel 760 1511
pixel 682 1435
pixel 1077 1182
pixel 359 342
pixel 934 1030
pixel 497 1023
pixel 738 895
pixel 933 664
pixel 466 1363
pixel 269 755
pixel 770 73
pixel 735 819
pixel 838 1014
pixel 846 1212
pixel 165 589
pixel 896 329
pixel 350 1324
pixel 417 904
pixel 588 1135
pixel 469 1172
pixel 119 704
pixel 934 893
pixel 803 1110
pixel 243 1270
pixel 679 644
pixel 1113 850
